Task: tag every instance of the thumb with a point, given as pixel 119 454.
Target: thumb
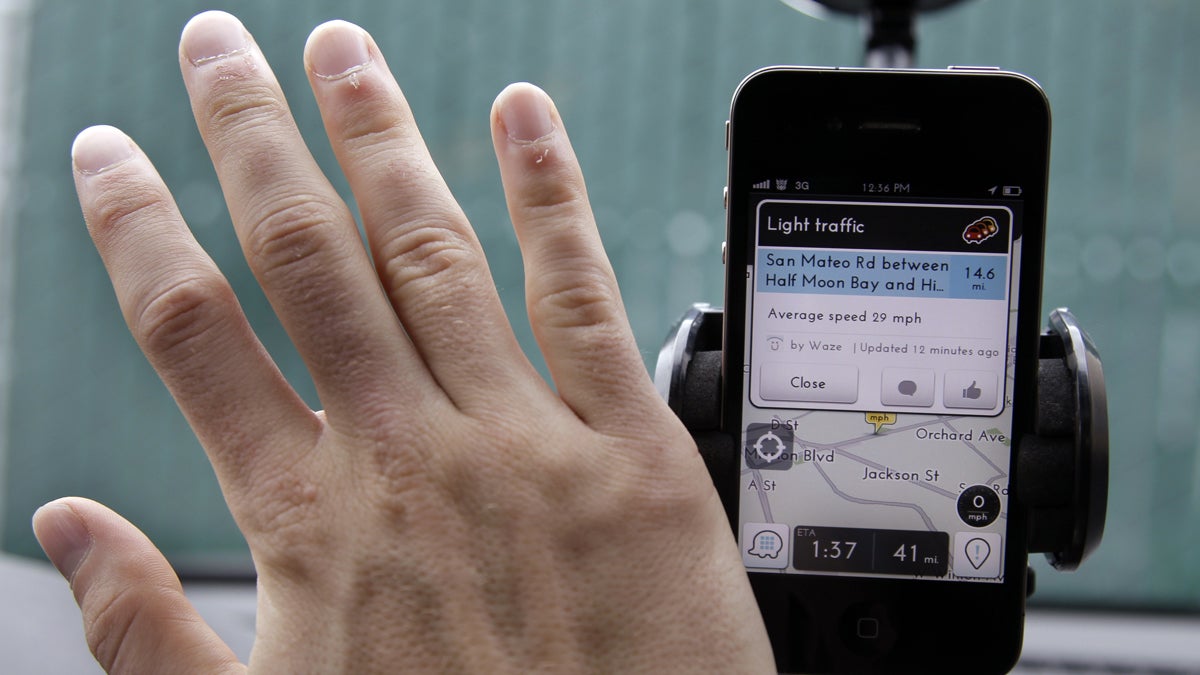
pixel 135 615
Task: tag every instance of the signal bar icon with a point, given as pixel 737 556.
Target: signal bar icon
pixel 761 185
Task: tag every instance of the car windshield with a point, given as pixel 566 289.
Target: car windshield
pixel 645 89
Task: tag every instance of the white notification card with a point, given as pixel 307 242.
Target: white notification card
pixel 881 306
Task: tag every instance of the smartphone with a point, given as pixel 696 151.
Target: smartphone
pixel 882 311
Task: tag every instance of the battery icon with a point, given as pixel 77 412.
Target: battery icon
pixel 1011 191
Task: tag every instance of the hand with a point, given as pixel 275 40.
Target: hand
pixel 448 510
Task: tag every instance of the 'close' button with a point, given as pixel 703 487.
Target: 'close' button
pixel 819 383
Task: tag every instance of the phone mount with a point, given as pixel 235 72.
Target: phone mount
pixel 1060 469
pixel 891 33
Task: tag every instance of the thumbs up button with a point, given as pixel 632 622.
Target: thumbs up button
pixel 975 389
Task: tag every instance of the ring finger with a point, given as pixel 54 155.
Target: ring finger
pixel 431 264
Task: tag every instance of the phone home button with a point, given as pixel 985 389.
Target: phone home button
pixel 866 628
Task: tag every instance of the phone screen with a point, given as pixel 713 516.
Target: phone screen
pixel 876 419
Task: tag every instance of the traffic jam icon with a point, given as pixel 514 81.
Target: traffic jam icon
pixel 981 230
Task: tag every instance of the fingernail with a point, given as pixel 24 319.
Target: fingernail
pixel 63 536
pixel 338 49
pixel 211 36
pixel 525 112
pixel 99 148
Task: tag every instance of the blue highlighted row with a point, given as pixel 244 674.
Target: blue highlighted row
pixel 968 276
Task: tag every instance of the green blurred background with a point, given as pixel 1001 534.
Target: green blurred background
pixel 644 88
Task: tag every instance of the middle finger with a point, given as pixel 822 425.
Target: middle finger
pixel 297 234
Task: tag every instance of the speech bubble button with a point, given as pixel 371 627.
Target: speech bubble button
pixel 908 387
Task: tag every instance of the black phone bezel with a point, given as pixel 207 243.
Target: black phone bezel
pixel 935 129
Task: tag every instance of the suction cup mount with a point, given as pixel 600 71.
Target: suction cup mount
pixel 890 25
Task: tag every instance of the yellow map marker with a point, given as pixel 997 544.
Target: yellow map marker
pixel 880 418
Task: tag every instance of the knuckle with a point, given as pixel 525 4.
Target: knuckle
pixel 399 485
pixel 182 312
pixel 289 231
pixel 110 619
pixel 125 205
pixel 551 200
pixel 402 457
pixel 286 515
pixel 428 252
pixel 237 105
pixel 552 192
pixel 373 129
pixel 584 302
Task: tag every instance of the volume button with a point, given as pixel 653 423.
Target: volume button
pixel 725 198
pixel 726 135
